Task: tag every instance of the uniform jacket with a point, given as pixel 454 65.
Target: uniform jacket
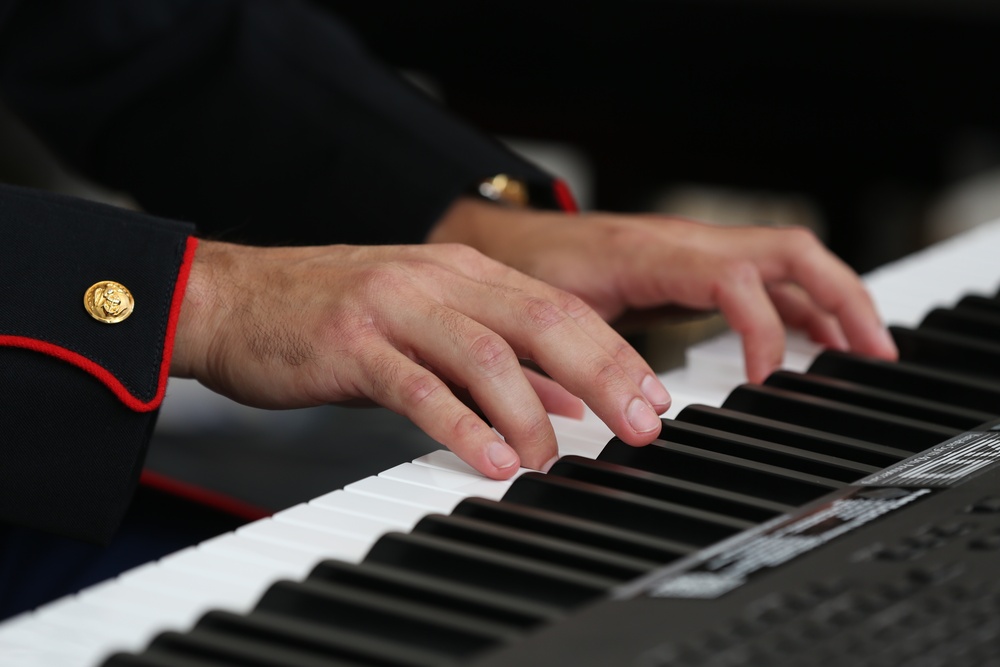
pixel 259 121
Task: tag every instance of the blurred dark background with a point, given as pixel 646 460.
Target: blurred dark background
pixel 868 108
pixel 873 121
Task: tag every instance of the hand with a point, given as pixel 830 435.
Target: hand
pixel 760 278
pixel 402 326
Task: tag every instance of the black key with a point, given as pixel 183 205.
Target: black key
pixel 936 384
pixel 574 529
pixel 535 546
pixel 626 510
pixel 978 302
pixel 444 593
pixel 360 623
pixel 224 650
pixel 673 489
pixel 158 660
pixel 763 451
pixel 836 417
pixel 802 437
pixel 720 470
pixel 485 568
pixel 964 321
pixel 882 400
pixel 938 349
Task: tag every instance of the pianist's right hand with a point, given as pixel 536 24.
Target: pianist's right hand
pixel 411 328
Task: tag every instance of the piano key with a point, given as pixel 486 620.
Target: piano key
pixel 444 480
pixel 483 568
pixel 94 631
pixel 575 529
pixel 225 567
pixel 673 489
pixel 976 302
pixel 938 349
pixel 220 650
pixel 530 544
pixel 431 500
pixel 493 605
pixel 330 520
pixel 933 383
pixel 322 544
pixel 156 660
pixel 882 400
pixel 808 439
pixel 755 449
pixel 836 417
pixel 291 607
pixel 721 470
pixel 627 510
pixel 398 514
pixel 965 321
pixel 252 550
pixel 188 586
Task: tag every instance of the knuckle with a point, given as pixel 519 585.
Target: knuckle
pixel 490 354
pixel 573 305
pixel 623 353
pixel 610 375
pixel 536 429
pixel 462 255
pixel 467 428
pixel 739 272
pixel 543 314
pixel 419 388
pixel 801 239
pixel 374 281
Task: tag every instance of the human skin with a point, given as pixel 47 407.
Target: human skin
pixel 412 328
pixel 437 331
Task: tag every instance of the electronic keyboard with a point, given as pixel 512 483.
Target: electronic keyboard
pixel 844 512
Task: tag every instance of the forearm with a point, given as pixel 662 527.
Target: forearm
pixel 261 119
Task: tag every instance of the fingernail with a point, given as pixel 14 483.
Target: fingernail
pixel 641 417
pixel 501 455
pixel 547 466
pixel 655 392
pixel 888 343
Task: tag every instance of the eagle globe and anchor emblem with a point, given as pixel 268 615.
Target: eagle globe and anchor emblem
pixel 108 301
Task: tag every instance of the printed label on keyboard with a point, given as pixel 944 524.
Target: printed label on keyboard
pixel 728 566
pixel 942 466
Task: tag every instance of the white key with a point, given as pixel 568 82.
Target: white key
pixel 222 567
pixel 332 521
pixel 444 480
pixel 323 544
pixel 203 591
pixel 252 550
pixel 397 514
pixel 431 500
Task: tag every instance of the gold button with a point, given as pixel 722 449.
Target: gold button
pixel 505 190
pixel 108 301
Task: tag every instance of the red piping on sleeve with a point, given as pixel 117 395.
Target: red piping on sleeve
pixel 564 197
pixel 213 499
pixel 102 374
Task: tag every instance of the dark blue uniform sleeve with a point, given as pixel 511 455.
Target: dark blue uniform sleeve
pixel 261 120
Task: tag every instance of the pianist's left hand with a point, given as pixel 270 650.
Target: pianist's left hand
pixel 761 278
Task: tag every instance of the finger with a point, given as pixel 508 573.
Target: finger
pixel 796 255
pixel 743 300
pixel 799 312
pixel 473 356
pixel 397 382
pixel 586 319
pixel 538 329
pixel 554 397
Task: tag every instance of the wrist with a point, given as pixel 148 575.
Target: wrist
pixel 193 335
